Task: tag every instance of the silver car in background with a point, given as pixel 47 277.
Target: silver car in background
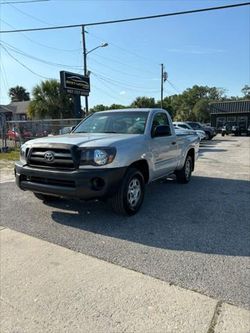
pixel 181 124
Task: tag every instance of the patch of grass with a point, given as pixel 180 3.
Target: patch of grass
pixel 12 155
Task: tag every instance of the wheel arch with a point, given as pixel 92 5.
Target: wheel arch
pixel 143 167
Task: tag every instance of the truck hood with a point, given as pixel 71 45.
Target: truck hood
pixel 84 139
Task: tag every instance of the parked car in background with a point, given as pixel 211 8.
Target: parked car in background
pixel 66 130
pixel 183 132
pixel 227 129
pixel 26 134
pixel 248 131
pixel 210 131
pixel 180 124
pixel 239 128
pixel 12 134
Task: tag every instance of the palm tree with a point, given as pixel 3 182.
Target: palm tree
pixel 50 102
pixel 18 94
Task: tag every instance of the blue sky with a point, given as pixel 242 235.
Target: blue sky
pixel 210 48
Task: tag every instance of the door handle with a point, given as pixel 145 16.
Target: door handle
pixel 174 142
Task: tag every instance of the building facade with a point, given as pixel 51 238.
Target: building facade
pixel 230 112
pixel 15 110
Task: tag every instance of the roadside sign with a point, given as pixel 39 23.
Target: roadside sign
pixel 74 83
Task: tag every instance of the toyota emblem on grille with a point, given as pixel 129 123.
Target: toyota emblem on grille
pixel 49 156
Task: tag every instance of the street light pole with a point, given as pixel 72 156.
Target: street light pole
pixel 85 65
pixel 85 53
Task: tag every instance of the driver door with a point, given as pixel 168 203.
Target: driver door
pixel 164 148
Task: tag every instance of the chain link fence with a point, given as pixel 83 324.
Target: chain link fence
pixel 15 133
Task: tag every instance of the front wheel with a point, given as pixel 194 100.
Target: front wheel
pixel 184 175
pixel 130 195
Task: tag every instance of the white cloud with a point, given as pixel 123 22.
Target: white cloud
pixel 123 92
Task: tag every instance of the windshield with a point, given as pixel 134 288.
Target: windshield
pixel 114 122
pixel 196 126
pixel 184 126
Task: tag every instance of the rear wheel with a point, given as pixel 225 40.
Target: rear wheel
pixel 44 197
pixel 130 195
pixel 184 175
pixel 208 136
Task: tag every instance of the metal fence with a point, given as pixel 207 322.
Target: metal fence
pixel 15 133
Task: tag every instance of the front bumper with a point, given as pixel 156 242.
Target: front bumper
pixel 84 184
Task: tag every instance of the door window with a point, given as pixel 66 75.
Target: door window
pixel 159 119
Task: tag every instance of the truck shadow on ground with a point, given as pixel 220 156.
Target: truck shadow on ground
pixel 208 215
pixel 205 149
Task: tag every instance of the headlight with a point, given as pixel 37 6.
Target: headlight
pixel 100 157
pixel 23 153
pixel 97 156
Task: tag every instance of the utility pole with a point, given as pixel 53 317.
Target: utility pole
pixel 162 68
pixel 164 77
pixel 85 65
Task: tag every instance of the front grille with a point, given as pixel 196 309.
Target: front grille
pixel 62 158
pixel 49 181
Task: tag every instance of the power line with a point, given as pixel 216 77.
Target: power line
pixel 122 84
pixel 125 50
pixel 173 86
pixel 128 85
pixel 28 1
pixel 107 92
pixel 4 78
pixel 28 15
pixel 23 65
pixel 113 69
pixel 14 49
pixel 122 63
pixel 128 19
pixel 38 43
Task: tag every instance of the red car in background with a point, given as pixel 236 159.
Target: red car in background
pixel 13 134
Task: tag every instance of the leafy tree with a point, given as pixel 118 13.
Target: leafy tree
pixel 184 113
pixel 246 91
pixel 201 111
pixel 143 102
pixel 166 105
pixel 18 94
pixel 184 104
pixel 50 102
pixel 98 107
pixel 116 107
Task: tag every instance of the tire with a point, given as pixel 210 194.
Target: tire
pixel 183 176
pixel 222 134
pixel 130 195
pixel 44 197
pixel 209 136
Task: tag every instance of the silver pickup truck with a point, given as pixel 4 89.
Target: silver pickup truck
pixel 109 155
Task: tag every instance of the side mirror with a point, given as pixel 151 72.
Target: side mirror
pixel 161 130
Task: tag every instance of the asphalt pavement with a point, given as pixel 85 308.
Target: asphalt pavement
pixel 196 236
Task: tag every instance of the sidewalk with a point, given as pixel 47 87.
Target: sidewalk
pixel 6 171
pixel 48 288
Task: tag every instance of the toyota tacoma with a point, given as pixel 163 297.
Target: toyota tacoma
pixel 108 155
